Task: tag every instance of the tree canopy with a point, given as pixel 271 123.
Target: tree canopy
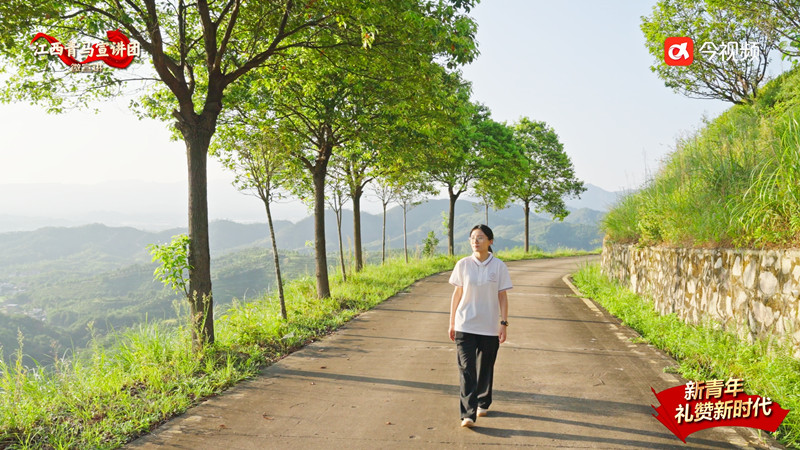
pixel 778 18
pixel 546 172
pixel 194 53
pixel 731 50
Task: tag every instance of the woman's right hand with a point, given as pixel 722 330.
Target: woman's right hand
pixel 452 333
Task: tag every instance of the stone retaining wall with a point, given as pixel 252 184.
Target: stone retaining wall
pixel 753 293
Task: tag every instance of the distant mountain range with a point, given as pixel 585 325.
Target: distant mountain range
pixel 161 206
pixel 126 245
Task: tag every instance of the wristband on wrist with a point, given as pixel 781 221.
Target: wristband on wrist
pixel 504 322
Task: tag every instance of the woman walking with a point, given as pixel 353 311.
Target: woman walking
pixel 478 321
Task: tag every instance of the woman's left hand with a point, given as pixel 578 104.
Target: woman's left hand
pixel 502 335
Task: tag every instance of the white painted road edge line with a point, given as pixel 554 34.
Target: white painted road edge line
pixel 733 437
pixel 574 289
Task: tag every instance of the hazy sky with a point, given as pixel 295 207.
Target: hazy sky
pixel 579 65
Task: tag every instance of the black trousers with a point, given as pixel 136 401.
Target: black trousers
pixel 476 356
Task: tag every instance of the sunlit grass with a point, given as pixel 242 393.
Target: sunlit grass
pixel 518 253
pixel 736 182
pixel 706 352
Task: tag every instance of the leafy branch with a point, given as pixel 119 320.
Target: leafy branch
pixel 174 266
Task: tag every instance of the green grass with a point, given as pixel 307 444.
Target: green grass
pixel 735 182
pixel 519 253
pixel 114 393
pixel 706 352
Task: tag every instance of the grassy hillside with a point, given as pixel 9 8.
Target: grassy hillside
pixel 735 182
pixel 64 305
pixel 38 339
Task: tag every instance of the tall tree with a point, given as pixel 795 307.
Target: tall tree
pixel 466 149
pixel 257 157
pixel 486 201
pixel 336 198
pixel 546 176
pixel 200 49
pixel 409 194
pixel 385 193
pixel 318 105
pixel 494 180
pixel 327 100
pixel 452 162
pixel 391 136
pixel 731 52
pixel 359 167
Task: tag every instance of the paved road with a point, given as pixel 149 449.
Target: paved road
pixel 568 376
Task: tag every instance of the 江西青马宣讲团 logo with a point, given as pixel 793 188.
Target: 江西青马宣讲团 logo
pixel 678 51
pixel 119 52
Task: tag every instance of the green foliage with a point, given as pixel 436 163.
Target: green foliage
pixel 335 108
pixel 713 23
pixel 247 37
pixel 544 174
pixel 732 183
pixel 501 156
pixel 429 244
pixel 173 269
pixel 257 157
pixel 242 44
pixel 454 161
pixel 706 351
pixel 770 207
pixel 469 149
pixel 780 18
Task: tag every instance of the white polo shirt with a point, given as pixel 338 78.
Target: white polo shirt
pixel 478 311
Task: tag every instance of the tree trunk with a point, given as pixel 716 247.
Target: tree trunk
pixel 451 220
pixel 357 227
pixel 341 247
pixel 197 131
pixel 487 214
pixel 197 139
pixel 276 261
pixel 323 287
pixel 527 210
pixel 405 235
pixel 383 236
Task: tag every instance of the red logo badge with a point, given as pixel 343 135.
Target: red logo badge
pixel 678 51
pixel 698 405
pixel 118 53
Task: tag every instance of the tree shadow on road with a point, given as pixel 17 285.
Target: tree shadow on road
pixel 591 408
pixel 507 433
